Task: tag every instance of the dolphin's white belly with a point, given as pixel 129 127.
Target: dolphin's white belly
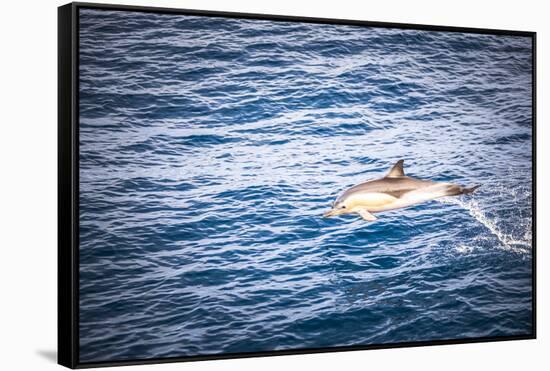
pixel 372 201
pixel 378 201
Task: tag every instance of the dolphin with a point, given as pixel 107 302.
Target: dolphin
pixel 393 191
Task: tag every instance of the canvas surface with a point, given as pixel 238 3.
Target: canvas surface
pixel 210 148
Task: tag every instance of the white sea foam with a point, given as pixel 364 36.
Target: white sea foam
pixel 519 242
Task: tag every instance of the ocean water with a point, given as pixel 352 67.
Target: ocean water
pixel 210 147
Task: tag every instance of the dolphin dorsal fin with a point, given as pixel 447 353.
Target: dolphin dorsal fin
pixel 397 170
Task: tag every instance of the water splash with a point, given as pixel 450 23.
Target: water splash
pixel 508 241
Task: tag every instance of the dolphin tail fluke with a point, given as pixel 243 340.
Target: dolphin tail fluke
pixel 470 190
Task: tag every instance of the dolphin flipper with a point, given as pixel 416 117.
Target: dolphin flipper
pixel 366 215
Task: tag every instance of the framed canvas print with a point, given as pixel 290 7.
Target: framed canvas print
pixel 235 185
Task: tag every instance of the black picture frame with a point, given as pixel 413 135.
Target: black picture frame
pixel 68 181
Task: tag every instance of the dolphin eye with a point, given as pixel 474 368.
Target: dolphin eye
pixel 343 206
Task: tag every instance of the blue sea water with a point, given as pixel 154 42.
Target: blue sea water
pixel 210 147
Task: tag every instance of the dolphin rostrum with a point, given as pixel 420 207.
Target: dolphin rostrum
pixel 394 191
